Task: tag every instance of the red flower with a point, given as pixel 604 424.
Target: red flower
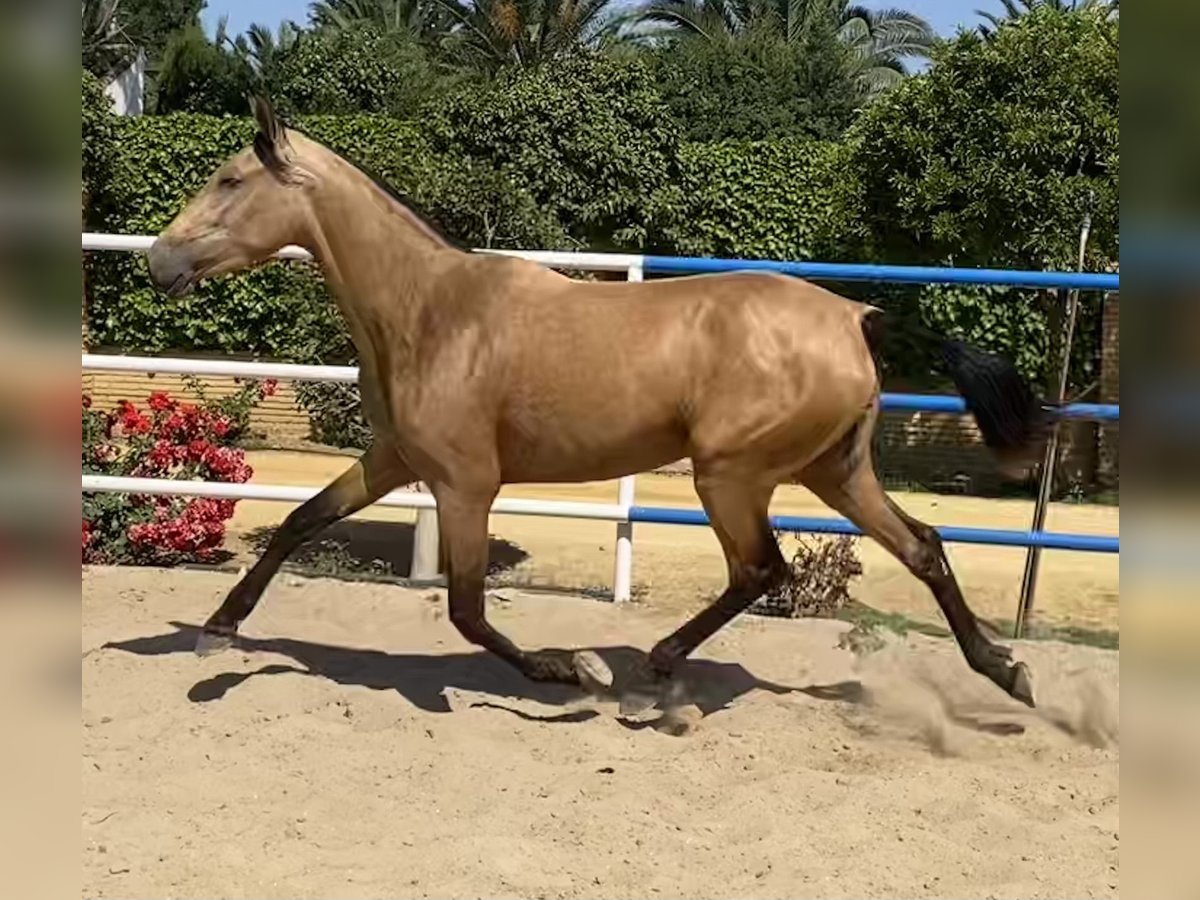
pixel 198 450
pixel 130 419
pixel 87 533
pixel 87 402
pixel 162 456
pixel 161 402
pixel 269 387
pixel 221 427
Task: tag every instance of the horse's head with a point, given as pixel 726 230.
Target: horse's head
pixel 252 206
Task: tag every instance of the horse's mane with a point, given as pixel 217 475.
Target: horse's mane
pixel 404 200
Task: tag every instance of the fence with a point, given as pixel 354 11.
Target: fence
pixel 624 512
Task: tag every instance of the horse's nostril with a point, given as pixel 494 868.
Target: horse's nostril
pixel 167 265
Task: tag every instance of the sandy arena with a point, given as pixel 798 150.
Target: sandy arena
pixel 354 746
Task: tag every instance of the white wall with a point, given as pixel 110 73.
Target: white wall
pixel 128 89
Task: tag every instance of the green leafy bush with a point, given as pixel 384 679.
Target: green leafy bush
pixel 756 87
pixel 988 158
pixel 99 143
pixel 589 139
pixel 784 199
pixel 345 71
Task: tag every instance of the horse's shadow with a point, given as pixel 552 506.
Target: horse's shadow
pixel 423 679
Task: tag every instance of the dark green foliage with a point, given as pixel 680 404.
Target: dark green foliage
pixel 588 138
pixel 987 161
pixel 197 75
pixel 782 199
pixel 353 70
pixel 99 143
pixel 988 158
pixel 756 87
pixel 336 414
pixel 150 23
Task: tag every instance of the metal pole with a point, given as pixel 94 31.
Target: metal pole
pixel 623 557
pixel 1033 555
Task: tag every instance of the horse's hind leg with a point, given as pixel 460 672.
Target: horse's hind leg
pixel 737 510
pixel 845 480
pixel 376 472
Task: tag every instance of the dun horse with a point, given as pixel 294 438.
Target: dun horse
pixel 481 370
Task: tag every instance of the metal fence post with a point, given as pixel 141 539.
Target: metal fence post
pixel 623 561
pixel 1033 556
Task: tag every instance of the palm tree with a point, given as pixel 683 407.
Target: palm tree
pixel 414 18
pixel 878 40
pixel 259 47
pixel 1014 9
pixel 106 46
pixel 262 48
pixel 487 34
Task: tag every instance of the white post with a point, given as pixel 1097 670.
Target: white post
pixel 425 543
pixel 623 563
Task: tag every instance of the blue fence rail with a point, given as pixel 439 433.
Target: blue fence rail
pixel 1050 540
pixel 1084 281
pixel 949 403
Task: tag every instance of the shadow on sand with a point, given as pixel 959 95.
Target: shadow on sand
pixel 422 678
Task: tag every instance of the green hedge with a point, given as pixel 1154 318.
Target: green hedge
pixel 585 157
pixel 783 199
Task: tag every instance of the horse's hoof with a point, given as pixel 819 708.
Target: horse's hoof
pixel 210 643
pixel 636 701
pixel 594 673
pixel 1021 688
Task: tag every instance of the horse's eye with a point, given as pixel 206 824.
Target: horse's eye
pixel 230 181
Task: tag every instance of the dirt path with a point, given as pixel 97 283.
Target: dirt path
pixel 680 568
pixel 356 747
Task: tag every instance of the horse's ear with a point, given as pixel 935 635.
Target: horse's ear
pixel 264 114
pixel 270 144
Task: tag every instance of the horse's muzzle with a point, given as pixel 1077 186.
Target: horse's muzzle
pixel 171 267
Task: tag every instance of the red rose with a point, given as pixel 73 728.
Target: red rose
pixel 161 402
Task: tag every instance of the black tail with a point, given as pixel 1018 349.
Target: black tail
pixel 1014 421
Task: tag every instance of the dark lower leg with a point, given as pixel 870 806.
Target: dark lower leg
pixel 739 517
pixel 373 475
pixel 858 496
pixel 985 657
pixel 463 526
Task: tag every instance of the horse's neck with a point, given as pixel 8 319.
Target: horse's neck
pixel 371 248
pixel 380 261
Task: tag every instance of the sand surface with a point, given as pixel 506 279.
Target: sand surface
pixel 353 746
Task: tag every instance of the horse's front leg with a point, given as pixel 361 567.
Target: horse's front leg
pixel 462 520
pixel 376 472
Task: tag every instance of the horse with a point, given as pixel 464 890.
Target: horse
pixel 479 370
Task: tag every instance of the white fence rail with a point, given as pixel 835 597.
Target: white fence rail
pixel 618 512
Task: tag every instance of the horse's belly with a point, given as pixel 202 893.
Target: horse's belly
pixel 550 455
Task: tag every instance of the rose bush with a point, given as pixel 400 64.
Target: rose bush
pixel 166 439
